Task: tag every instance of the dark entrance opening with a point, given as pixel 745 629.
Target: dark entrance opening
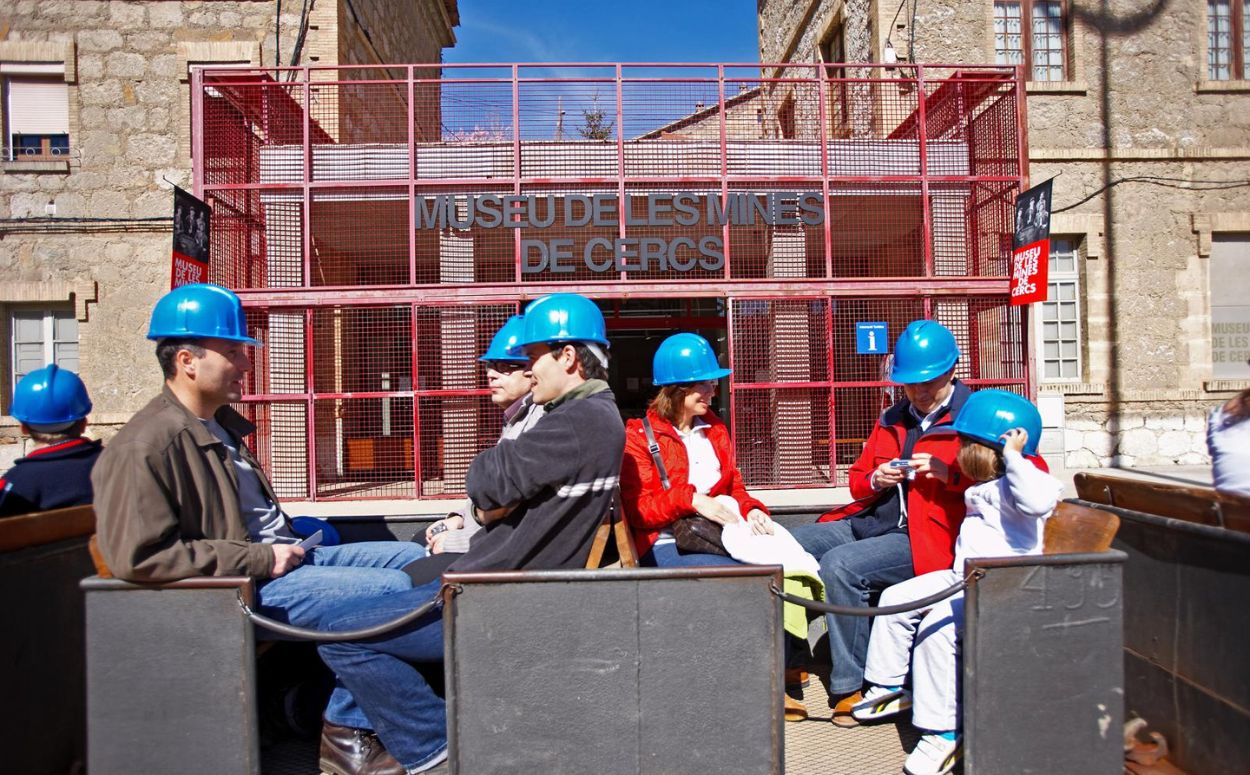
pixel 637 326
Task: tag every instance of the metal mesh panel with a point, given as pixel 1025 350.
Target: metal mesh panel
pixel 359 237
pixel 991 336
pixel 775 343
pixel 783 436
pixel 364 447
pixel 774 231
pixel 876 230
pixel 781 340
pixel 453 430
pixel 280 443
pixel 362 350
pixel 346 194
pixel 990 223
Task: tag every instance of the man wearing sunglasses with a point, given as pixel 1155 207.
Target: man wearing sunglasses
pixel 509 381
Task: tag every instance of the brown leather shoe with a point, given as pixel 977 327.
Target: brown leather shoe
pixel 796 677
pixel 842 710
pixel 349 751
pixel 794 710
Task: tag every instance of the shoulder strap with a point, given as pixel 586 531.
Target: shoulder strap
pixel 654 448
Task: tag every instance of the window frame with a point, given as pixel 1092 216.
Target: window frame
pixel 832 51
pixel 1026 38
pixel 49 315
pixel 1054 279
pixel 1238 66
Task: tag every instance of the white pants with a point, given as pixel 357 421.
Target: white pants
pixel 932 633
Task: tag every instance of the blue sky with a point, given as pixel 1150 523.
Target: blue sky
pixel 606 31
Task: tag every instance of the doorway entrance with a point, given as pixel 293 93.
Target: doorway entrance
pixel 637 326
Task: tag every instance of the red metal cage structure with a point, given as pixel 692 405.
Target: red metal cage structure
pixel 380 223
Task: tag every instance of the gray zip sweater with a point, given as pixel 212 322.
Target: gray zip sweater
pixel 561 473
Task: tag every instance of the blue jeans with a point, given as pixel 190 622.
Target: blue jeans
pixel 669 556
pixel 409 717
pixel 852 571
pixel 330 577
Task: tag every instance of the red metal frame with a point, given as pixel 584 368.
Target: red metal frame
pixel 918 115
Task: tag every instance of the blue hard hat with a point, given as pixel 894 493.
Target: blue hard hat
pixel 925 350
pixel 685 358
pixel 988 414
pixel 199 311
pixel 563 317
pixel 503 347
pixel 50 399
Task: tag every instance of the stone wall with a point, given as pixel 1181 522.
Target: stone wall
pixel 126 65
pixel 1136 108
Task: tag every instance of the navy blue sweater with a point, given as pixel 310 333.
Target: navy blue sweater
pixel 50 478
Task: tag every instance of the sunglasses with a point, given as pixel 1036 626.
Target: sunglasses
pixel 506 367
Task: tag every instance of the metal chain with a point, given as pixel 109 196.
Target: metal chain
pixel 322 636
pixel 843 610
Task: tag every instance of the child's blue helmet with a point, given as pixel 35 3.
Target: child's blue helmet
pixel 50 399
pixel 988 414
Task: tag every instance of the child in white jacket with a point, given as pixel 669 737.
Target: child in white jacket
pixel 1005 516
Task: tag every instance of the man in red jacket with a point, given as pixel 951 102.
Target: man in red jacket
pixel 909 503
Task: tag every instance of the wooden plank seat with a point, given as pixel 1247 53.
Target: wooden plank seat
pixel 1199 504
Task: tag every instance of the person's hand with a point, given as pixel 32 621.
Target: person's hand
pixel 435 544
pixel 450 522
pixel 286 558
pixel 487 516
pixel 1015 439
pixel 761 524
pixel 931 467
pixel 886 475
pixel 712 509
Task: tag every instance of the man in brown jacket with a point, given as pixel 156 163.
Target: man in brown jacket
pixel 179 494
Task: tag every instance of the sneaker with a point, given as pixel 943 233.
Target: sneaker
pixel 880 702
pixel 935 754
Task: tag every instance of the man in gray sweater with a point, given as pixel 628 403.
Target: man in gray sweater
pixel 539 498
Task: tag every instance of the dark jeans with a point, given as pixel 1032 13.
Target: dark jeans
pixel 406 713
pixel 669 556
pixel 852 571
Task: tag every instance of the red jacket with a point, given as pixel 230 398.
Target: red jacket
pixel 935 509
pixel 649 508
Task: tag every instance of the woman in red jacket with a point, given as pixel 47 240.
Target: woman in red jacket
pixel 697 454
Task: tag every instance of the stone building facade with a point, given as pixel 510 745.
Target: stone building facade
pixel 85 229
pixel 1140 112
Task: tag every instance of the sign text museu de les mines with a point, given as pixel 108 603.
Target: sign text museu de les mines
pixel 620 254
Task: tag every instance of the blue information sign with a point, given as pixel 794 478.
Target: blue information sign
pixel 872 338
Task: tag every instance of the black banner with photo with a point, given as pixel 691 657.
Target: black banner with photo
pixel 192 222
pixel 1030 255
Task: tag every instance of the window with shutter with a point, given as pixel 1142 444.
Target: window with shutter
pixel 36 109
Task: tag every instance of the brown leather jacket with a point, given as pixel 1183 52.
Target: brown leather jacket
pixel 167 498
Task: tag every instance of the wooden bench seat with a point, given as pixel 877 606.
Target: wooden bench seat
pixel 1199 504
